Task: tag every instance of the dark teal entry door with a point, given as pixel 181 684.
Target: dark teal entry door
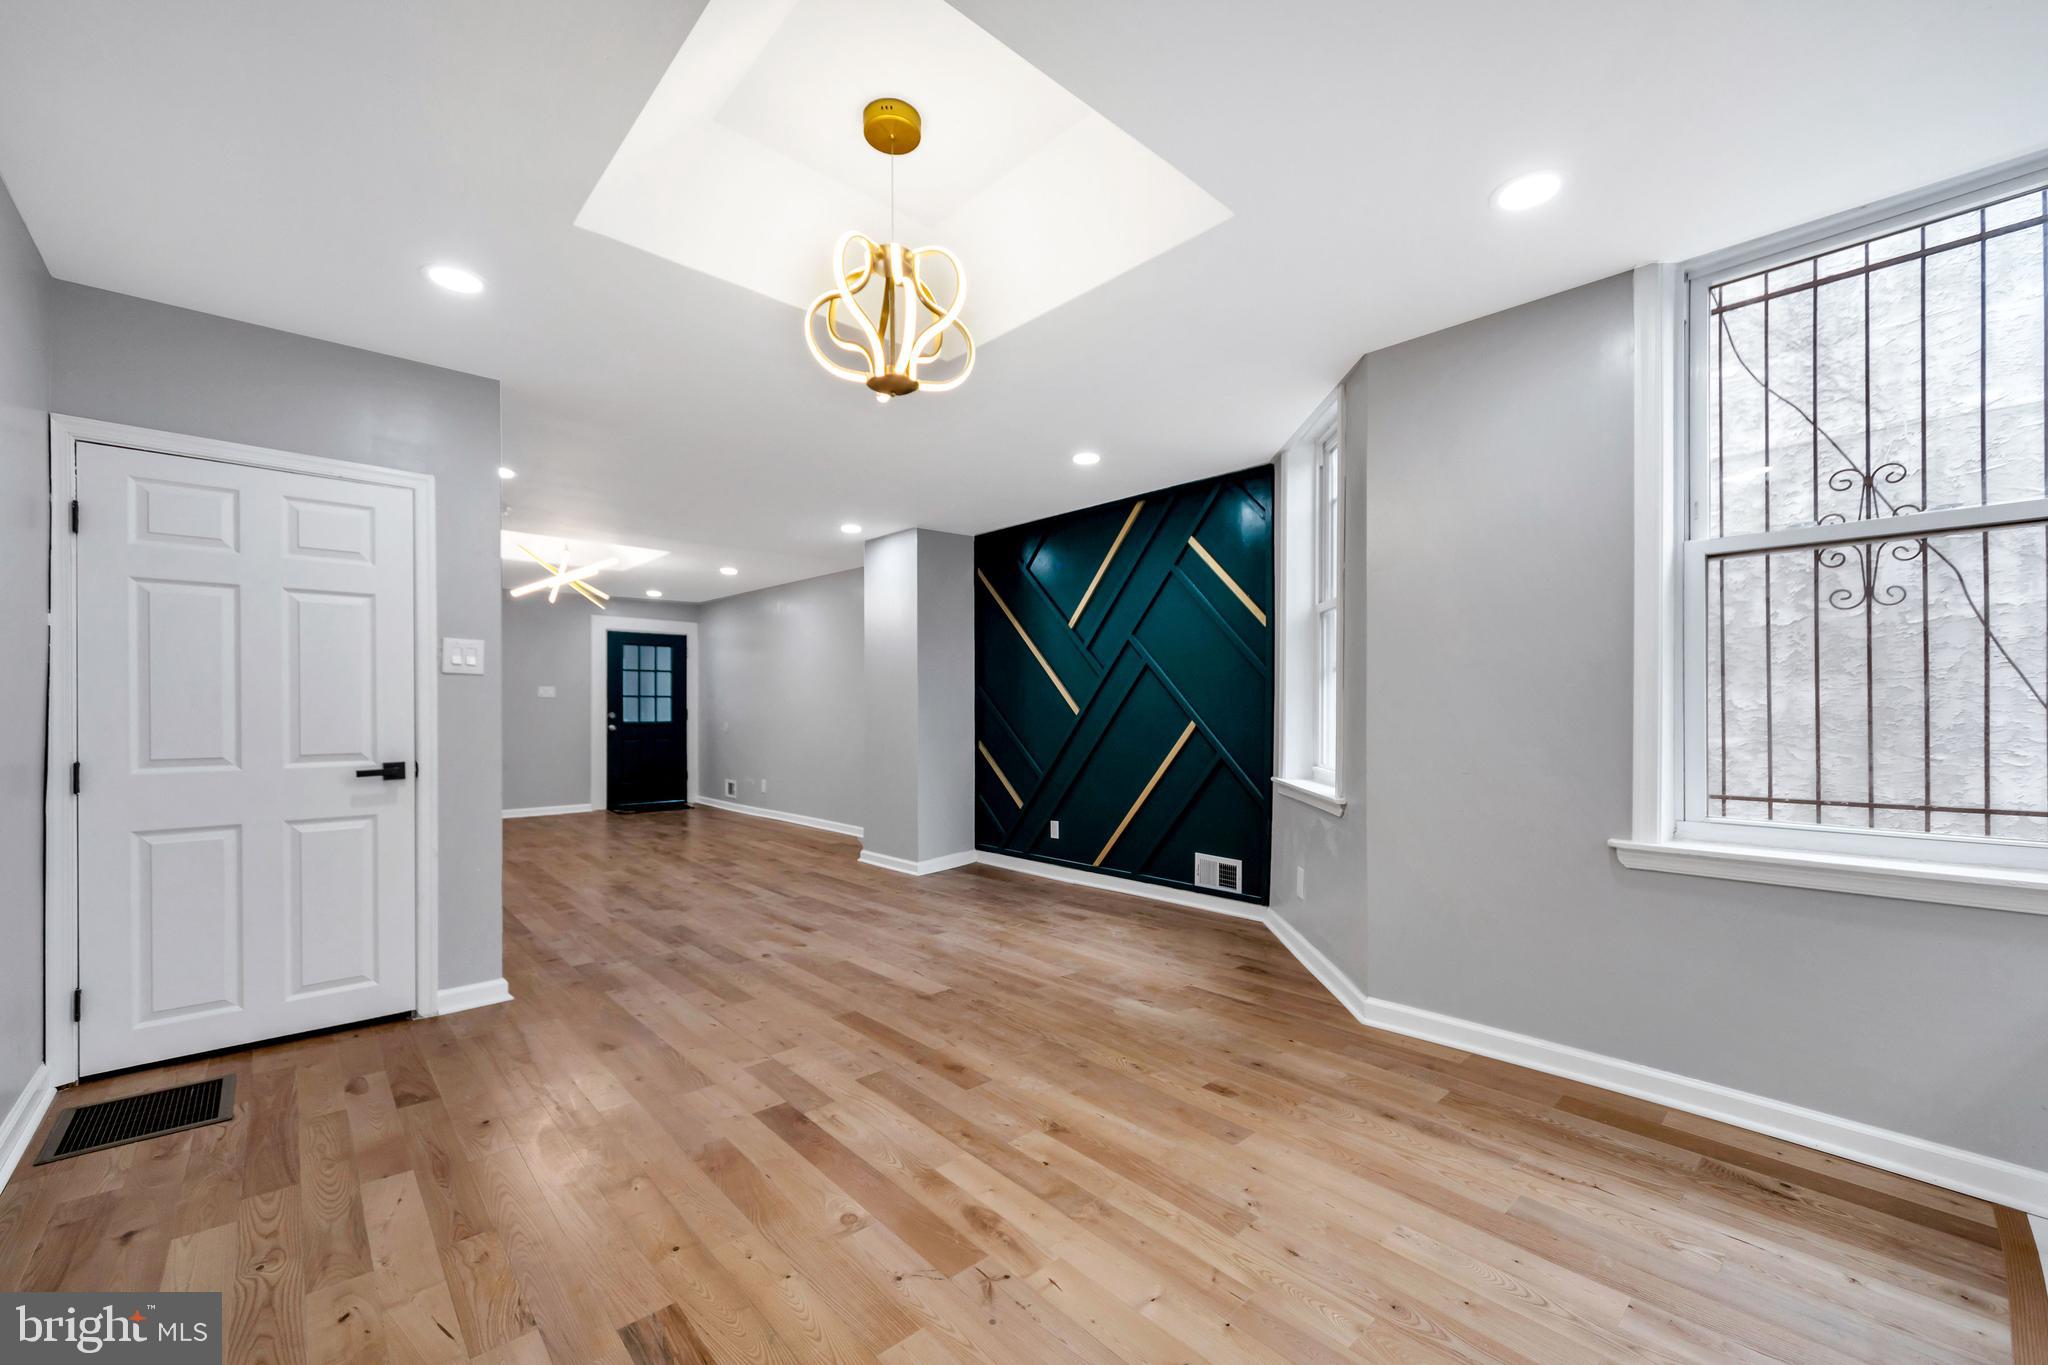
pixel 647 756
pixel 1124 694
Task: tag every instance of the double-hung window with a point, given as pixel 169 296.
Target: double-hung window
pixel 1312 618
pixel 1329 622
pixel 1855 667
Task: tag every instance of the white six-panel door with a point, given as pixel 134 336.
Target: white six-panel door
pixel 244 646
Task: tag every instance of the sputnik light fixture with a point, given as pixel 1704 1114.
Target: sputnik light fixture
pixel 910 328
pixel 558 577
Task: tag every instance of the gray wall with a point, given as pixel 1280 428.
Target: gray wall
pixel 888 816
pixel 1488 703
pixel 945 700
pixel 547 739
pixel 128 360
pixel 783 698
pixel 24 521
pixel 919 651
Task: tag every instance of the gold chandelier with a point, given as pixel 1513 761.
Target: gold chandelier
pixel 909 329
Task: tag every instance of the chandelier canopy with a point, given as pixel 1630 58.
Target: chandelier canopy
pixel 909 327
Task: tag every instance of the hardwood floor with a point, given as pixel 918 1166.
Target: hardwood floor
pixel 756 1102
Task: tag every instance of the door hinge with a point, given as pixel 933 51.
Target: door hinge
pixel 75 769
pixel 74 516
pixel 77 1006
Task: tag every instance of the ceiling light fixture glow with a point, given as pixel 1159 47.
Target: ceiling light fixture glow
pixel 894 346
pixel 564 576
pixel 455 279
pixel 1527 191
pixel 728 570
pixel 1087 457
pixel 849 528
pixel 654 592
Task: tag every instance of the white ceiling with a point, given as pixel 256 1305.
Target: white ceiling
pixel 295 164
pixel 1041 197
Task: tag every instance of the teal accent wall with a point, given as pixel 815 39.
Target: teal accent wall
pixel 1161 642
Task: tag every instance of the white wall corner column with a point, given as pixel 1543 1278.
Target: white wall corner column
pixel 919 666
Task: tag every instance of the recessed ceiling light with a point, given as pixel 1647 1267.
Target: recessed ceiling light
pixel 849 528
pixel 505 473
pixel 455 279
pixel 1527 191
pixel 654 592
pixel 728 570
pixel 1087 457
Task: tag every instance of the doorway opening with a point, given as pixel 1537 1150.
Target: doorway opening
pixel 647 752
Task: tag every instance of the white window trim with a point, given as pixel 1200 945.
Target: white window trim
pixel 1976 874
pixel 1310 793
pixel 1326 461
pixel 1299 512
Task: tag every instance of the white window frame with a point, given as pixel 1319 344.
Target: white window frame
pixel 1669 831
pixel 1310 752
pixel 1327 453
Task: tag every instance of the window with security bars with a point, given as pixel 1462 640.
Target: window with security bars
pixel 1866 575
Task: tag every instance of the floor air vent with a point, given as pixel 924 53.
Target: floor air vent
pixel 1219 874
pixel 133 1118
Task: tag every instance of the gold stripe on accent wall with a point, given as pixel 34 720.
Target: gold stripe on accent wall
pixel 997 769
pixel 1228 581
pixel 1103 567
pixel 1159 772
pixel 1065 695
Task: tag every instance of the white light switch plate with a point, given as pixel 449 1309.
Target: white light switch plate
pixel 462 656
pixel 547 689
pixel 1055 829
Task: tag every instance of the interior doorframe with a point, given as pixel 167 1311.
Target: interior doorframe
pixel 60 818
pixel 603 624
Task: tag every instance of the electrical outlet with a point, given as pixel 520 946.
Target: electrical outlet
pixel 1055 829
pixel 764 786
pixel 732 786
pixel 1300 883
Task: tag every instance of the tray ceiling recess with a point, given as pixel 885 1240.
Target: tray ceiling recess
pixel 740 165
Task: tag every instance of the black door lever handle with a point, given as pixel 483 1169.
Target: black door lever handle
pixel 393 771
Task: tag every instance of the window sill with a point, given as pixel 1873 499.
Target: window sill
pixel 1323 798
pixel 1983 888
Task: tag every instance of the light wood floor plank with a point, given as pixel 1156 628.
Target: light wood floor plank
pixel 756 1104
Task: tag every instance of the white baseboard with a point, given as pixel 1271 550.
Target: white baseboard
pixel 529 812
pixel 1124 886
pixel 455 999
pixel 1986 1177
pixel 943 863
pixel 18 1129
pixel 785 816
